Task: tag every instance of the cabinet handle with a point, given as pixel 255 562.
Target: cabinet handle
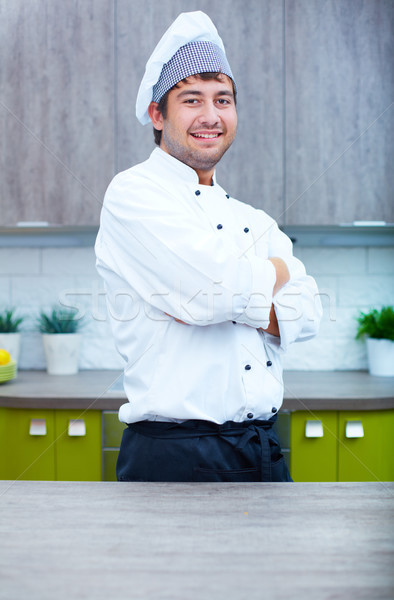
pixel 38 427
pixel 314 429
pixel 76 428
pixel 354 429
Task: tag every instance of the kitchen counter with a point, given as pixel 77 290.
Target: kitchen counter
pixel 304 390
pixel 175 541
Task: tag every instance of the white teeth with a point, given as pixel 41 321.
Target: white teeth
pixel 206 135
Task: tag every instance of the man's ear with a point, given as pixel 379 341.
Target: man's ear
pixel 155 116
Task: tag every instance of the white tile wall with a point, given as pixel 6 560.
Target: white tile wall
pixel 19 261
pixel 349 279
pixel 381 260
pixel 37 278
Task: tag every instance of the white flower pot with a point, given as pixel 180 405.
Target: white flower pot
pixel 380 357
pixel 61 352
pixel 12 343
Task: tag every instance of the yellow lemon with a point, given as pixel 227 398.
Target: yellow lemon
pixel 5 357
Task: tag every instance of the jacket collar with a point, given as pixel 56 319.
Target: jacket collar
pixel 171 168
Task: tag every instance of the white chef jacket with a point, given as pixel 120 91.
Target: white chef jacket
pixel 170 246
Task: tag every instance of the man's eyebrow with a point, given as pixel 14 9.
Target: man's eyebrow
pixel 198 93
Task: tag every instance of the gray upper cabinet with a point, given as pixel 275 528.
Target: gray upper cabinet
pixel 56 113
pixel 339 111
pixel 315 86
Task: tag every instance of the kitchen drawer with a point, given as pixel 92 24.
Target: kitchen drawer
pixel 369 455
pixel 112 429
pixel 110 456
pixel 314 446
pixel 78 445
pixel 112 436
pixel 282 428
pixel 27 439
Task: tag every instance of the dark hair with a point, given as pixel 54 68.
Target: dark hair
pixel 162 105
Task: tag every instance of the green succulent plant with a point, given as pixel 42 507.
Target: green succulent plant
pixel 8 322
pixel 378 324
pixel 59 320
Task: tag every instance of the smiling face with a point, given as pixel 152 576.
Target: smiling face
pixel 200 123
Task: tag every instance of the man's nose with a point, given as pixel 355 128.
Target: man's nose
pixel 209 114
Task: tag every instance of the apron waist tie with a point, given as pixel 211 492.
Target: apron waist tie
pixel 265 460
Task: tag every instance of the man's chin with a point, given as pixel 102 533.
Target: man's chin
pixel 206 160
pixel 199 159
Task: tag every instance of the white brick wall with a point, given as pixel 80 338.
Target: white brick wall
pixel 349 279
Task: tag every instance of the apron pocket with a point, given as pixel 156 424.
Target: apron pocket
pixel 226 475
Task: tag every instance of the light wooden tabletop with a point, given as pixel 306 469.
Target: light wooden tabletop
pixel 118 541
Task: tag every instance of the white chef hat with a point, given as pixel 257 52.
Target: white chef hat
pixel 190 45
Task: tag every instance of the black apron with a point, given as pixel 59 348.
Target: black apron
pixel 201 451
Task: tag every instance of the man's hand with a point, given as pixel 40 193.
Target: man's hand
pixel 282 273
pixel 177 320
pixel 273 327
pixel 282 277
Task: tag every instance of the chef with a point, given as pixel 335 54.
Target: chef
pixel 203 291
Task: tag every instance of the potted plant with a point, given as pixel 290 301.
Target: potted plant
pixel 378 327
pixel 61 341
pixel 9 332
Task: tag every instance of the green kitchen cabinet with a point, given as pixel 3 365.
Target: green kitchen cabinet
pixel 50 444
pixel 342 445
pixel 27 444
pixel 78 445
pixel 366 446
pixel 313 446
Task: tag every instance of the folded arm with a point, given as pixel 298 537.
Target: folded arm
pixel 176 265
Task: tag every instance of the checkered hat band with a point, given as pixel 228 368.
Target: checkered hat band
pixel 193 58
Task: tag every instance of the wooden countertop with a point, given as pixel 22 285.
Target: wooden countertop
pixel 304 390
pixel 181 541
